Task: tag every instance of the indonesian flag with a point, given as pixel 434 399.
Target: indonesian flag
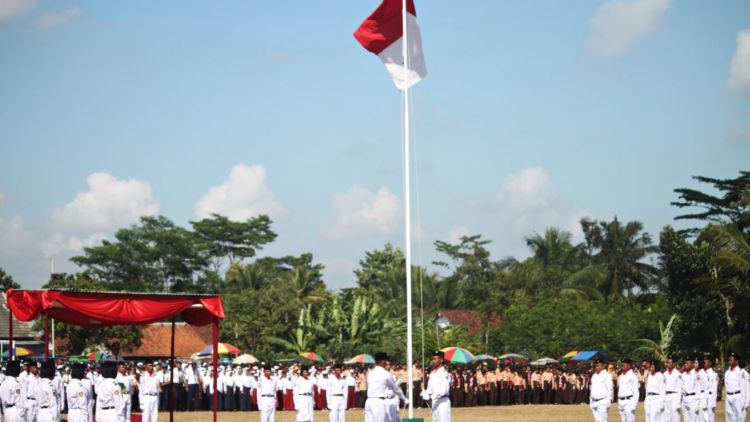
pixel 383 34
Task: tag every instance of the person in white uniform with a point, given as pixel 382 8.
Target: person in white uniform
pixel 736 385
pixel 12 393
pixel 601 391
pixel 79 394
pixel 655 392
pixel 47 395
pixel 712 389
pixel 148 393
pixel 691 383
pixel 627 392
pixel 380 385
pixel 438 389
pixel 337 393
pixel 126 382
pixel 29 382
pixel 267 387
pixel 109 401
pixel 303 396
pixel 673 391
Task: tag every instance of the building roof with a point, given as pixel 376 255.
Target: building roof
pixel 156 341
pixel 21 330
pixel 473 320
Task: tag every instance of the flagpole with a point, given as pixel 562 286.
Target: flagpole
pixel 407 216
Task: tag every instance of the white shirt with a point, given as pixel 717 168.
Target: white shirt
pixel 712 381
pixel 655 384
pixel 79 394
pixel 601 387
pixel 672 382
pixel 11 391
pixel 736 381
pixel 336 387
pixel 149 384
pixel 690 385
pixel 439 384
pixel 303 386
pixel 267 387
pixel 127 381
pixel 380 383
pixel 627 386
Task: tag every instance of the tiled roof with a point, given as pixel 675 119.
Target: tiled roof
pixel 21 330
pixel 474 321
pixel 156 340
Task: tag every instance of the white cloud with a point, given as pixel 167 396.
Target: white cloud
pixel 59 243
pixel 10 8
pixel 739 135
pixel 360 211
pixel 50 20
pixel 243 195
pixel 618 24
pixel 739 71
pixel 108 204
pixel 15 238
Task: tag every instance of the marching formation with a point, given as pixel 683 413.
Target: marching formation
pixel 112 390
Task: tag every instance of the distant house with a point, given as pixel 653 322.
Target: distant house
pixel 24 334
pixel 474 321
pixel 156 341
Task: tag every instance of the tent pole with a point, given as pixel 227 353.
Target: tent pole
pixel 171 394
pixel 11 350
pixel 215 361
pixel 46 336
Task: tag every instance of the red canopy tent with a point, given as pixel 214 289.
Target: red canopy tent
pixel 104 309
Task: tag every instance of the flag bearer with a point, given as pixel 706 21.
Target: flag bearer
pixel 438 389
pixel 601 391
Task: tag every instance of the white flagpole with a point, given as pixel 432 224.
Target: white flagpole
pixel 407 217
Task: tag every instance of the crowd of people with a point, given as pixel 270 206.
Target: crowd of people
pixel 690 388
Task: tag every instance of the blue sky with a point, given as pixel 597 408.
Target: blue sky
pixel 533 114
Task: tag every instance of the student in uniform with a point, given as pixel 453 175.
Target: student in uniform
pixel 438 389
pixel 109 401
pixel 47 396
pixel 267 388
pixel 78 394
pixel 627 392
pixel 380 384
pixel 691 382
pixel 303 397
pixel 736 385
pixel 601 392
pixel 655 390
pixel 712 389
pixel 337 392
pixel 148 394
pixel 12 393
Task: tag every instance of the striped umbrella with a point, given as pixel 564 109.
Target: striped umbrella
pixel 312 356
pixel 457 355
pixel 223 349
pixel 363 358
pixel 20 352
pixel 513 358
pixel 569 355
pixel 483 356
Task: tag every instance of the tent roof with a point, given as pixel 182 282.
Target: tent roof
pixel 588 355
pixel 102 309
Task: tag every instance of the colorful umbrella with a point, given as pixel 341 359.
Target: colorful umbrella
pixel 513 358
pixel 312 356
pixel 483 356
pixel 543 362
pixel 20 352
pixel 568 355
pixel 95 356
pixel 457 355
pixel 223 349
pixel 363 358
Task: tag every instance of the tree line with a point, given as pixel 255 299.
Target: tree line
pixel 620 290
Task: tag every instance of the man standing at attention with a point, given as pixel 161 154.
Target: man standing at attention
pixel 673 386
pixel 601 392
pixel 438 389
pixel 337 392
pixel 148 393
pixel 736 385
pixel 690 392
pixel 627 392
pixel 380 385
pixel 267 388
pixel 655 392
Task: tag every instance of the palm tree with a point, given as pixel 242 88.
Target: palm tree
pixel 555 247
pixel 620 250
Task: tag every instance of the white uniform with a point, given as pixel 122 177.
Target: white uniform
pixel 712 388
pixel 303 399
pixel 126 384
pixel 736 385
pixel 438 390
pixel 601 395
pixel 108 401
pixel 267 388
pixel 88 382
pixel 337 392
pixel 48 400
pixel 30 404
pixel 79 396
pixel 11 395
pixel 673 398
pixel 691 384
pixel 148 396
pixel 380 385
pixel 655 395
pixel 627 396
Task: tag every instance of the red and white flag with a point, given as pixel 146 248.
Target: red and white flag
pixel 383 34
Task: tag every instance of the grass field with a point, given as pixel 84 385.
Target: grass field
pixel 535 413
